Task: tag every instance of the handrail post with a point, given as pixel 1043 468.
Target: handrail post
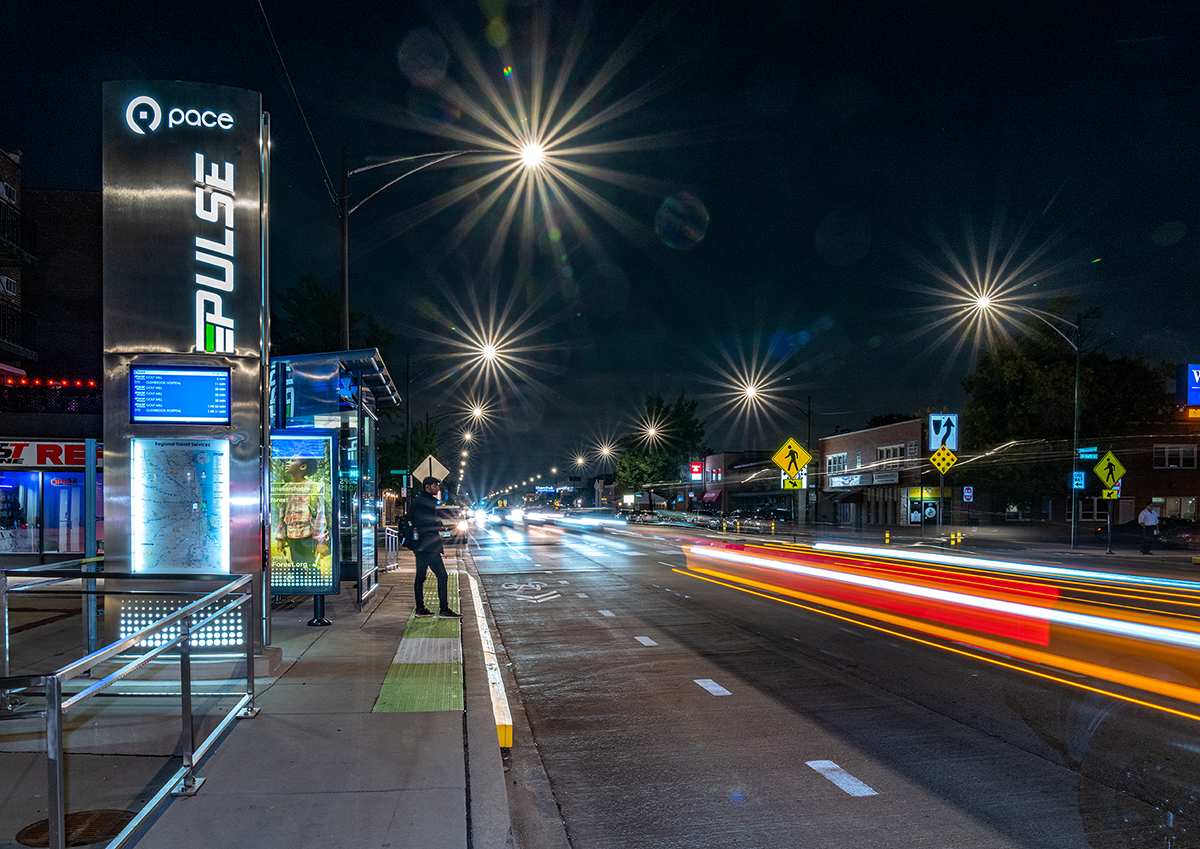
pixel 56 800
pixel 5 703
pixel 90 546
pixel 249 710
pixel 189 785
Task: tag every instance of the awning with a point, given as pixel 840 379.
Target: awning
pixel 711 495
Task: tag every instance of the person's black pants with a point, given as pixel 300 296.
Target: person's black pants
pixel 432 561
pixel 1147 537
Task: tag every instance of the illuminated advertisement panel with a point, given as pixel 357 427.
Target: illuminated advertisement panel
pixel 304 537
pixel 179 505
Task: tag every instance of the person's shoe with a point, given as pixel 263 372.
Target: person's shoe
pixel 449 614
pixel 422 611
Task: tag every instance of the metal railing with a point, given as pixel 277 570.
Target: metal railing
pixel 232 594
pixel 391 548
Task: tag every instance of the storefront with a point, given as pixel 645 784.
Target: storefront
pixel 42 498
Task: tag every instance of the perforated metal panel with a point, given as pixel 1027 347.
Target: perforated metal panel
pixel 224 634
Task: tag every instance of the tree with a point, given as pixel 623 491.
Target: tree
pixel 392 453
pixel 306 319
pixel 1023 392
pixel 887 419
pixel 649 459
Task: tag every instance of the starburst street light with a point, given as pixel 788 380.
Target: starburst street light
pixel 552 122
pixel 532 155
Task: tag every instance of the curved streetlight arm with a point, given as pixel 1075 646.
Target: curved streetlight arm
pixel 1044 317
pixel 434 159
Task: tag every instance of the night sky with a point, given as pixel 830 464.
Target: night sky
pixel 810 166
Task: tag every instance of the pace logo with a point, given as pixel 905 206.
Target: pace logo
pixel 144 114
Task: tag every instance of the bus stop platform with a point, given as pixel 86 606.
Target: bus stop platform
pixel 377 731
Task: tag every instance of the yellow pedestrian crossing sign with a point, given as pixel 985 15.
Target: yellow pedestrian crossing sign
pixel 792 458
pixel 943 459
pixel 1109 470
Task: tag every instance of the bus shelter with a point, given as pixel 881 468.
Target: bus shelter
pixel 335 395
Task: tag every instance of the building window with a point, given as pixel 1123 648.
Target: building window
pixel 1174 456
pixel 7 285
pixel 8 192
pixel 835 464
pixel 889 457
pixel 1181 507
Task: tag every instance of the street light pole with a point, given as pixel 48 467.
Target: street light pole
pixel 1075 447
pixel 984 303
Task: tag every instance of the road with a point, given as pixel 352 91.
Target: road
pixel 656 709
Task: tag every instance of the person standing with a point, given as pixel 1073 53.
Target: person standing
pixel 1148 519
pixel 423 514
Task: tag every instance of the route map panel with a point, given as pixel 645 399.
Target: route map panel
pixel 180 505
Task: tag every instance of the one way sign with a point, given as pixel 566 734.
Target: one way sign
pixel 943 431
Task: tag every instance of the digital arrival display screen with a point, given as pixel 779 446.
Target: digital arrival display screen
pixel 179 395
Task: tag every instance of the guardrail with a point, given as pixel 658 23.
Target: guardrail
pixel 234 593
pixel 391 548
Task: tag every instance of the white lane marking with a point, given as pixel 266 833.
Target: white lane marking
pixel 671 565
pixel 712 686
pixel 841 778
pixel 538 599
pixel 500 709
pixel 607 613
pixel 582 595
pixel 564 582
pixel 646 641
pixel 484 557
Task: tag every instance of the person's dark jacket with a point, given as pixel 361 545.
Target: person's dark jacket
pixel 424 517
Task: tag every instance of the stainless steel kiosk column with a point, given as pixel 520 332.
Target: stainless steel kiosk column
pixel 185 167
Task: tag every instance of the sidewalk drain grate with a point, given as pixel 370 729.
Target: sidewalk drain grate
pixel 83 828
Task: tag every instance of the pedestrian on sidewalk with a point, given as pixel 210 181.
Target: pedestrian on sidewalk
pixel 424 517
pixel 1148 519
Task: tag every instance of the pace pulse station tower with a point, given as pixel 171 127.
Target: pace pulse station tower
pixel 185 176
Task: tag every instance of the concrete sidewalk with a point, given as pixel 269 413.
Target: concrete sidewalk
pixel 328 763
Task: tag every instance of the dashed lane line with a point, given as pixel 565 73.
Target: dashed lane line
pixel 841 778
pixel 646 641
pixel 712 686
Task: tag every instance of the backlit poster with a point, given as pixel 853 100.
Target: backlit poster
pixel 304 529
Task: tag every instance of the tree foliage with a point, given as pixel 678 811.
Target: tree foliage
pixel 1023 391
pixel 393 453
pixel 306 318
pixel 678 438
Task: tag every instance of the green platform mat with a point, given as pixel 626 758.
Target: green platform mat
pixel 412 687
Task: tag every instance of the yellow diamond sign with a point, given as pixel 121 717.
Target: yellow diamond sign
pixel 943 459
pixel 1109 470
pixel 792 458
